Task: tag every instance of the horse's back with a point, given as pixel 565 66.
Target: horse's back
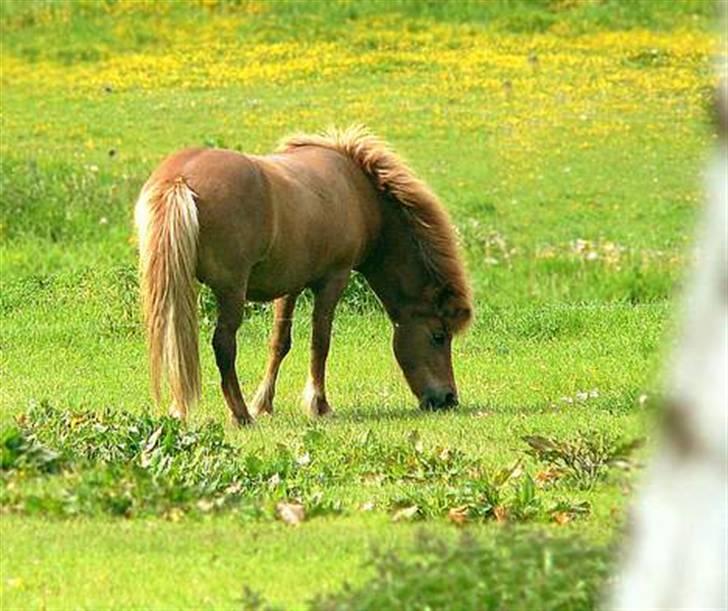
pixel 321 192
pixel 325 217
pixel 282 221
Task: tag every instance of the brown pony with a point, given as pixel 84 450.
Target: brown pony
pixel 265 228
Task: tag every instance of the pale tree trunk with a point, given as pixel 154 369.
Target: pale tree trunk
pixel 677 555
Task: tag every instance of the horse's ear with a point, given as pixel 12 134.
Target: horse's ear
pixel 460 318
pixel 443 296
pixel 453 308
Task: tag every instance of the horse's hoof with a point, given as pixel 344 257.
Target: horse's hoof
pixel 261 404
pixel 314 402
pixel 241 421
pixel 260 409
pixel 179 414
pixel 323 411
pixel 319 408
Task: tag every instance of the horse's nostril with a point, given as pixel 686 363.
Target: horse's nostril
pixel 437 400
pixel 451 399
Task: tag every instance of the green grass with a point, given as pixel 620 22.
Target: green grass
pixel 574 185
pixel 215 563
pixel 104 564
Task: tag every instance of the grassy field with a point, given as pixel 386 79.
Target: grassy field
pixel 565 136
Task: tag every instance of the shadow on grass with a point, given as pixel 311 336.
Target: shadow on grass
pixel 409 413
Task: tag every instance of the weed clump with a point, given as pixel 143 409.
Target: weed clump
pixel 69 463
pixel 584 460
pixel 62 462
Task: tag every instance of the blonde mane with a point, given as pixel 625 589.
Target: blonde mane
pixel 430 222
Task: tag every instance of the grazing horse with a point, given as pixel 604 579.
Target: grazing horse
pixel 263 228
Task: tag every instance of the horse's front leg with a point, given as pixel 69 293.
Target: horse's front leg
pixel 326 296
pixel 280 345
pixel 230 306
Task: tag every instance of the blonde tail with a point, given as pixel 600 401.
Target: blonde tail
pixel 166 220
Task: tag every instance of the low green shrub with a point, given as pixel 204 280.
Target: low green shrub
pixel 514 570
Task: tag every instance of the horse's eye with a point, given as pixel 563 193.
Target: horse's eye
pixel 438 338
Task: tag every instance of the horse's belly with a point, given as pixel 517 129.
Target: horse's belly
pixel 269 281
pixel 266 283
pixel 297 268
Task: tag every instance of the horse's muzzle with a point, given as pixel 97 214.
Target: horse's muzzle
pixel 436 400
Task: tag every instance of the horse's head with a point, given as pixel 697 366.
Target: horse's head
pixel 423 347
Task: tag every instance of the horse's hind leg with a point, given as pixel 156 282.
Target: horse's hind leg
pixel 326 296
pixel 280 345
pixel 230 314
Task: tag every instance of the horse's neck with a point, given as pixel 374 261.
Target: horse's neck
pixel 395 270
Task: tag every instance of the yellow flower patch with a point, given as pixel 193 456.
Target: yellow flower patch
pixel 527 89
